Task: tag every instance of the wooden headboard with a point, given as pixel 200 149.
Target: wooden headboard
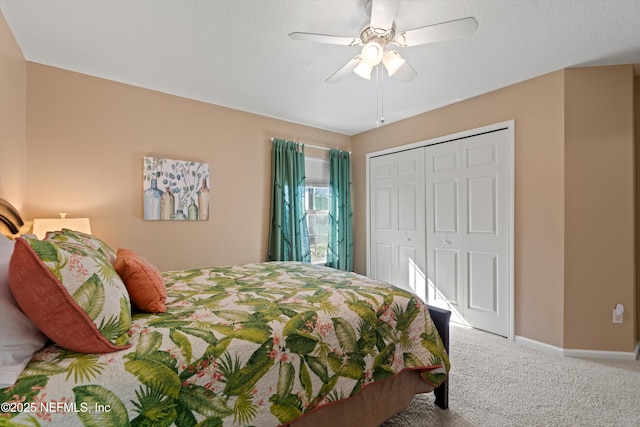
pixel 9 217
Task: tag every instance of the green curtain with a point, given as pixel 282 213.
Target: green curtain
pixel 288 237
pixel 340 248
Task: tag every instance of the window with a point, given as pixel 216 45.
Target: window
pixel 316 201
pixel 317 205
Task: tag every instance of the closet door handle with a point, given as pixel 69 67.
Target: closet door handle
pixel 446 242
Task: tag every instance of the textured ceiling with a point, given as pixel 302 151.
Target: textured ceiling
pixel 237 53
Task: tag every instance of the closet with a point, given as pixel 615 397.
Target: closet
pixel 440 223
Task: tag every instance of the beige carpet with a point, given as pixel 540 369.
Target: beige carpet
pixel 496 382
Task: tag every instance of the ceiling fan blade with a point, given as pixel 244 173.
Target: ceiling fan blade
pixel 405 74
pixel 326 38
pixel 344 71
pixel 456 29
pixel 383 13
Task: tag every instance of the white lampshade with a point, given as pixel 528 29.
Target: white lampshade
pixel 392 61
pixel 372 53
pixel 363 70
pixel 42 225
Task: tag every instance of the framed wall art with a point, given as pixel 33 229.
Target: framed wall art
pixel 175 190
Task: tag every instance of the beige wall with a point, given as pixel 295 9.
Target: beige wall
pixel 573 172
pixel 537 107
pixel 87 137
pixel 599 208
pixel 13 141
pixel 636 104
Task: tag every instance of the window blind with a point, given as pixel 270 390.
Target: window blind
pixel 316 172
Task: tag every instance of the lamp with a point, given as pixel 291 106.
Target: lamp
pixel 372 53
pixel 41 226
pixel 392 61
pixel 370 56
pixel 363 70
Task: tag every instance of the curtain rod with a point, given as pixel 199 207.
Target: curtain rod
pixel 315 146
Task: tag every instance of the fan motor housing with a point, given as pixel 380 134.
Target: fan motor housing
pixel 380 35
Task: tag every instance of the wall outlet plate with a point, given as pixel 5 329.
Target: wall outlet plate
pixel 617 318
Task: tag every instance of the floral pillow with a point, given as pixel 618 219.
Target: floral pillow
pixel 72 293
pixel 67 235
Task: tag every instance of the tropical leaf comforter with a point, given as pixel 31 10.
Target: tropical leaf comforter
pixel 257 344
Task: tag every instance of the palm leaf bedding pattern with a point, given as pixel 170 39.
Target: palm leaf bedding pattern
pixel 257 344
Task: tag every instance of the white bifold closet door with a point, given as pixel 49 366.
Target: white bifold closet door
pixel 440 225
pixel 397 251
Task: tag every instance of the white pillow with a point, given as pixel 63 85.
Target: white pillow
pixel 19 337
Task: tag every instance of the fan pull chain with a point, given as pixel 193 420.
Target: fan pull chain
pixel 379 96
pixel 377 99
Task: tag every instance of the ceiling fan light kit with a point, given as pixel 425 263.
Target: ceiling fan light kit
pixel 381 32
pixel 372 53
pixel 392 61
pixel 363 69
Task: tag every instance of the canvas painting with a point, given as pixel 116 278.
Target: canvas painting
pixel 175 190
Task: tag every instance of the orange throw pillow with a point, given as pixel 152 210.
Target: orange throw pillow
pixel 143 281
pixel 72 294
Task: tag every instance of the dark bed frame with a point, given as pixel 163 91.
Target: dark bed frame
pixel 441 318
pixel 10 217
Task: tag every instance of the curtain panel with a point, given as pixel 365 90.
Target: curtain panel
pixel 340 248
pixel 288 236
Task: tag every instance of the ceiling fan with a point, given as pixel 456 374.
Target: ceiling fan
pixel 377 36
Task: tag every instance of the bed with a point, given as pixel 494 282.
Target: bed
pixel 263 344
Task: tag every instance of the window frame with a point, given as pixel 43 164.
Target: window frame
pixel 317 177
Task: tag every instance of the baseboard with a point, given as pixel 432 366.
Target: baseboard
pixel 599 354
pixel 567 352
pixel 547 348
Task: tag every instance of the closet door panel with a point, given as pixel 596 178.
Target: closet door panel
pixel 445 274
pixel 482 278
pixel 397 216
pixel 382 209
pixel 383 267
pixel 482 215
pixel 486 206
pixel 443 186
pixel 445 206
